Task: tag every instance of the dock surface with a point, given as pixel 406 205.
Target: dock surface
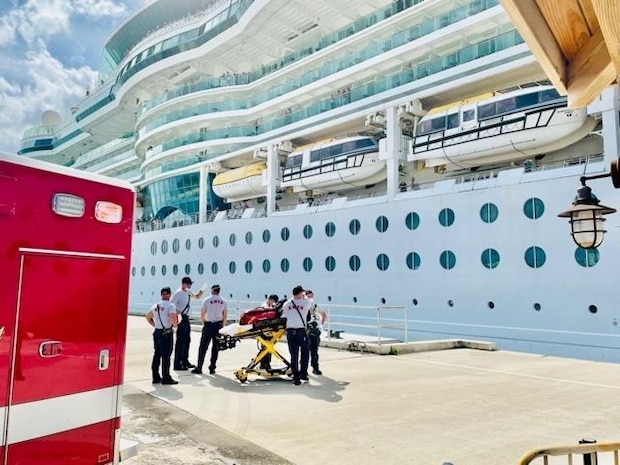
pixel 463 406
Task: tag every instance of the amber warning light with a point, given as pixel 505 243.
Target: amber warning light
pixel 108 212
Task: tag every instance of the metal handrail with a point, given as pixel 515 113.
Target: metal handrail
pixel 590 453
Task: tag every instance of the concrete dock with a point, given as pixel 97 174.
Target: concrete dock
pixel 464 406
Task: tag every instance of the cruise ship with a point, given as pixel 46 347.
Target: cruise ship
pixel 387 154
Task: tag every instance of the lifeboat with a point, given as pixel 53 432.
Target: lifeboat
pixel 334 165
pixel 241 183
pixel 504 127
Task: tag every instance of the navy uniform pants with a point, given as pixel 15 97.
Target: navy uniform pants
pixel 162 343
pixel 313 342
pixel 298 347
pixel 210 330
pixel 181 349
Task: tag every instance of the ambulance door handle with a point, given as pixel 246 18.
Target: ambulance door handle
pixel 104 359
pixel 50 349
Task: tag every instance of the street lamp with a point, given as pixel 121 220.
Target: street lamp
pixel 586 214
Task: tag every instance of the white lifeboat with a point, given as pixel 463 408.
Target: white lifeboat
pixel 240 183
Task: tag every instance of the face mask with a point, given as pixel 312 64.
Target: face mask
pixel 310 299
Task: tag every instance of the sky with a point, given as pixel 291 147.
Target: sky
pixel 49 55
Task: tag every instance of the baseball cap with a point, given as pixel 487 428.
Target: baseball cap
pixel 297 290
pixel 187 280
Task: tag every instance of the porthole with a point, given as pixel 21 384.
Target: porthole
pixel 188 269
pixel 307 264
pixel 382 224
pixel 285 234
pixel 232 267
pixel 354 227
pixel 450 303
pixel 446 217
pixel 248 266
pixel 133 271
pixel 142 271
pixel 383 262
pixel 284 265
pixel 490 258
pixel 592 308
pixel 534 208
pixel 201 243
pixel 175 270
pixel 188 244
pixel 354 300
pixel 330 229
pixel 447 259
pixel 355 263
pixel 232 239
pixel 266 236
pixel 164 247
pixel 249 237
pixel 153 271
pixel 491 304
pixel 412 220
pixel 216 241
pixel 383 301
pixel 537 307
pixel 201 269
pixel 330 263
pixel 163 270
pixel 489 212
pixel 266 266
pixel 414 302
pixel 587 257
pixel 307 231
pixel 535 257
pixel 175 246
pixel 214 268
pixel 413 261
pixel 153 248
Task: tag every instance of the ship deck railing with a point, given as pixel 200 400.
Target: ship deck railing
pixel 588 452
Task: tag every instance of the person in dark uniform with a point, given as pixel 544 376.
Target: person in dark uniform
pixel 182 299
pixel 163 317
pixel 316 318
pixel 213 314
pixel 295 311
pixel 265 362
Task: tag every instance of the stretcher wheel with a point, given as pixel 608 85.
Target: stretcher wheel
pixel 241 375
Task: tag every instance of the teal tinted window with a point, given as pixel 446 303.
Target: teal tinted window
pixel 266 266
pixel 285 265
pixel 188 269
pixel 201 243
pixel 533 208
pixel 587 257
pixel 382 224
pixel 175 270
pixel 248 237
pixel 232 267
pixel 412 220
pixel 266 236
pixel 355 226
pixel 490 258
pixel 413 261
pixel 201 268
pixel 188 244
pixel 175 246
pixel 153 271
pixel 355 263
pixel 216 241
pixel 248 266
pixel 307 264
pixel 383 262
pixel 163 270
pixel 330 229
pixel 447 259
pixel 535 257
pixel 285 234
pixel 330 263
pixel 489 212
pixel 142 271
pixel 232 239
pixel 164 247
pixel 307 231
pixel 133 271
pixel 214 268
pixel 446 217
pixel 153 248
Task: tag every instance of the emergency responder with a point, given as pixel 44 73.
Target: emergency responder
pixel 182 299
pixel 295 311
pixel 265 362
pixel 316 318
pixel 163 317
pixel 213 315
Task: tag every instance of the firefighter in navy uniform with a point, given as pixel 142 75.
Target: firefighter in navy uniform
pixel 182 299
pixel 213 314
pixel 163 317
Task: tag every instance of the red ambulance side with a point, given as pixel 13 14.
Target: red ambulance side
pixel 65 244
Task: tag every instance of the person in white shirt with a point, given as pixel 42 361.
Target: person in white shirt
pixel 163 317
pixel 182 299
pixel 295 311
pixel 213 315
pixel 315 327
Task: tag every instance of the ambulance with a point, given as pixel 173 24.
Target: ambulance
pixel 65 244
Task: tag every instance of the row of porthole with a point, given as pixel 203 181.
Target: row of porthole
pixel 533 209
pixel 534 256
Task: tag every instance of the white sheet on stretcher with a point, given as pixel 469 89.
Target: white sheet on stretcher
pixel 235 328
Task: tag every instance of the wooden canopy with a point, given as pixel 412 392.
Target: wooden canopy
pixel 576 42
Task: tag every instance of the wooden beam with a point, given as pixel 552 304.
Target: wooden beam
pixel 608 14
pixel 531 24
pixel 590 72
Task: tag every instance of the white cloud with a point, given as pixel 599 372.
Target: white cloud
pixel 99 8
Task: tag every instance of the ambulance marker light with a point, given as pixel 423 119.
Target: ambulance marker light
pixel 68 205
pixel 108 212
